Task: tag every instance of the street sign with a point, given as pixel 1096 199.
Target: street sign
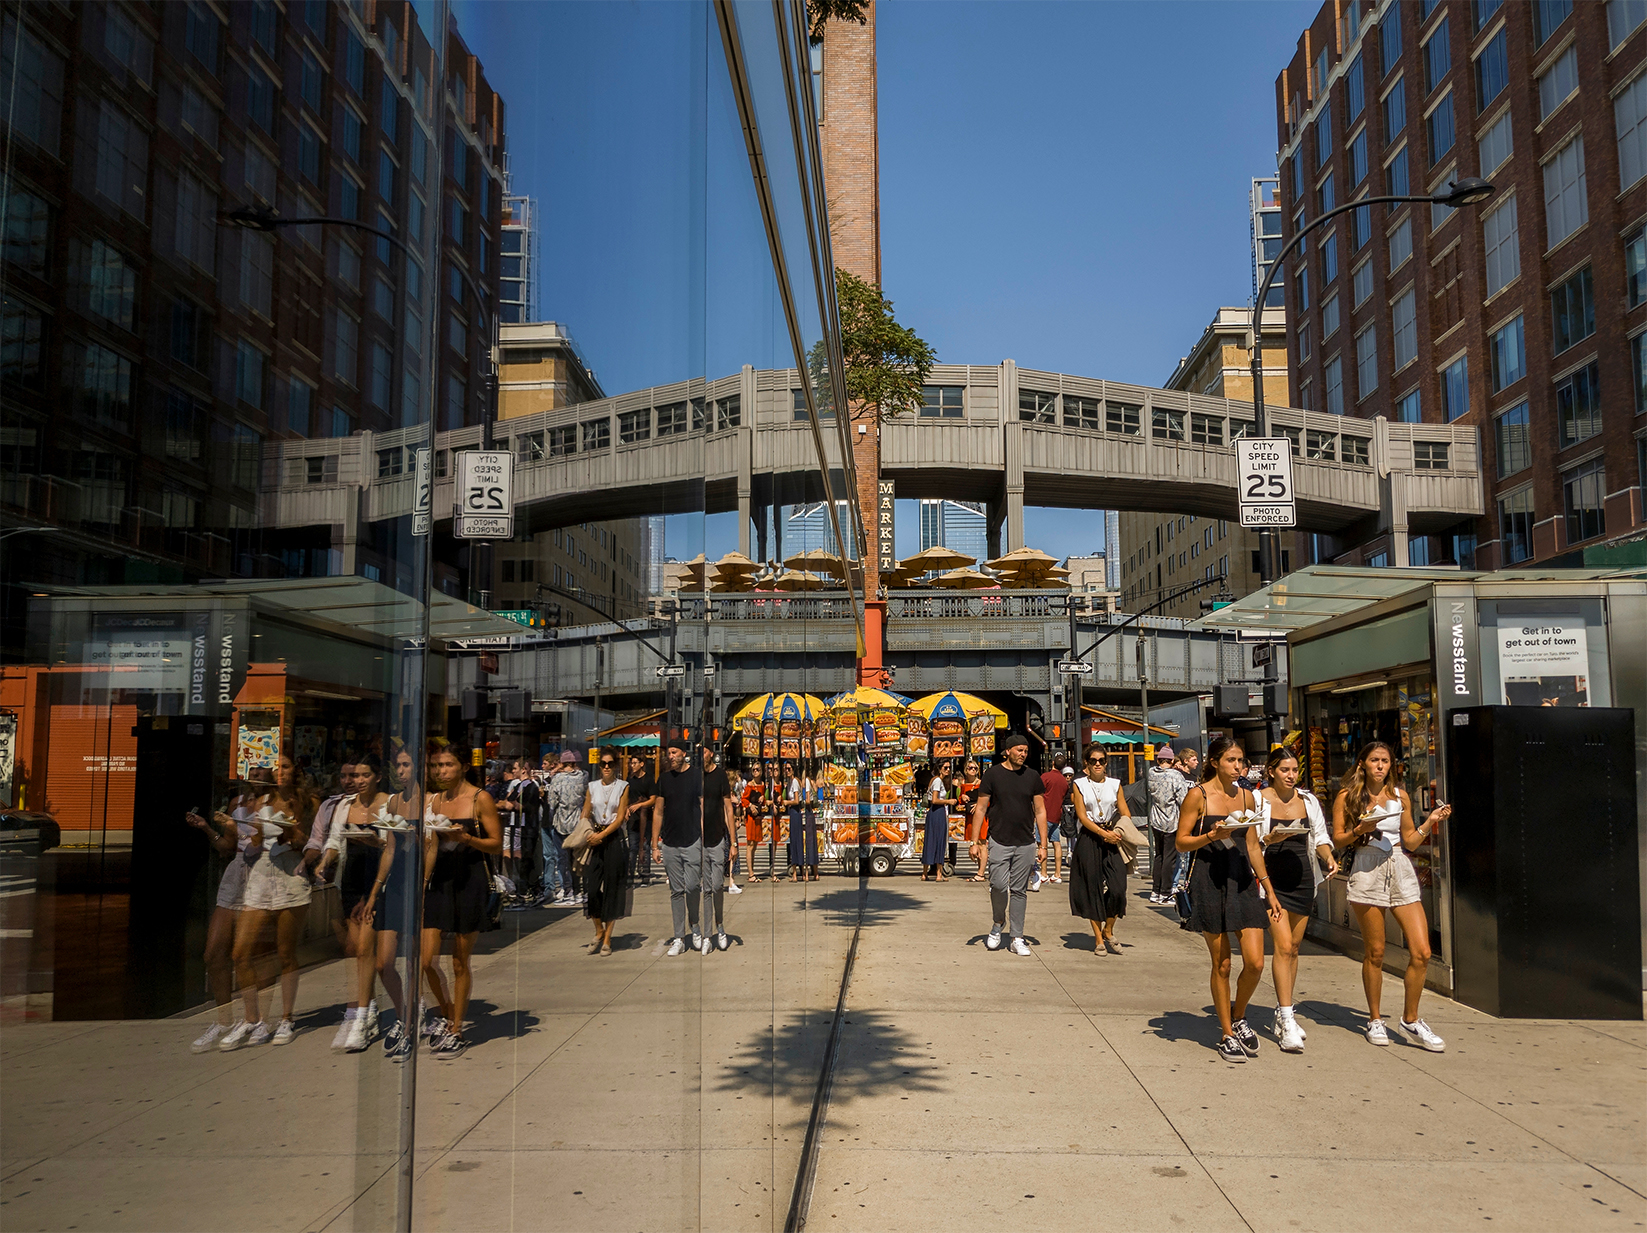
pixel 485 495
pixel 709 670
pixel 1261 654
pixel 671 671
pixel 524 616
pixel 1075 667
pixel 424 501
pixel 1263 469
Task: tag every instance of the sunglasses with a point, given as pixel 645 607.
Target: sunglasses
pixel 608 762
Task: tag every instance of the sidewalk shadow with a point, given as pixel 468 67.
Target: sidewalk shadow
pixel 1175 1025
pixel 881 907
pixel 488 1022
pixel 1080 941
pixel 875 1055
pixel 629 941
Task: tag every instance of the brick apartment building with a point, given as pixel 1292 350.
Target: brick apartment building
pixel 150 352
pixel 1526 315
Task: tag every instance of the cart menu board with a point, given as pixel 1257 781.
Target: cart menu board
pixel 868 779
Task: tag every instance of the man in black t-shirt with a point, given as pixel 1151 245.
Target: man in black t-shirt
pixel 717 835
pixel 677 841
pixel 1011 800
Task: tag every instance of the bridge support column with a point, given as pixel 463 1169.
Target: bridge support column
pixel 745 516
pixel 1014 519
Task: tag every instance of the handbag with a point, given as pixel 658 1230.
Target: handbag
pixel 579 836
pixel 496 890
pixel 1068 826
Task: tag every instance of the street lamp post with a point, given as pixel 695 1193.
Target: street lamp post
pixel 1469 191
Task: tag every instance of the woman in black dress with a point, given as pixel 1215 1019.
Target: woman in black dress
pixel 458 886
pixel 605 872
pixel 1291 861
pixel 1223 889
pixel 1097 869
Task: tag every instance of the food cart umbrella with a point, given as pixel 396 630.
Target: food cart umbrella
pixel 806 706
pixel 935 558
pixel 799 580
pixel 867 695
pixel 955 705
pixel 818 560
pixel 965 580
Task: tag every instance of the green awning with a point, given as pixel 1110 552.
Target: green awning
pixel 630 739
pixel 1114 738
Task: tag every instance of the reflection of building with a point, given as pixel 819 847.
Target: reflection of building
pixel 518 258
pixel 150 351
pixel 1158 554
pixel 1266 239
pixel 1524 316
pixel 807 527
pixel 960 526
pixel 1089 577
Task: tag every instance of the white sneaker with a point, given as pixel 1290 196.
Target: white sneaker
pixel 677 947
pixel 697 940
pixel 283 1034
pixel 721 940
pixel 1420 1033
pixel 1035 880
pixel 1020 947
pixel 240 1034
pixel 732 888
pixel 1376 1035
pixel 260 1035
pixel 1292 1040
pixel 360 1035
pixel 208 1038
pixel 341 1040
pixel 993 941
pixel 706 945
pixel 371 1017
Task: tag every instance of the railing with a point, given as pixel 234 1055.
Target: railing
pixel 975 605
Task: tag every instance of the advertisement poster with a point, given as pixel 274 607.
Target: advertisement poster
pixel 1544 661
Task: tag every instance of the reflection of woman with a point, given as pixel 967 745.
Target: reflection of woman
pixel 605 873
pixel 754 820
pixel 977 836
pixel 1292 866
pixel 389 901
pixel 935 843
pixel 361 850
pixel 1375 816
pixel 230 835
pixel 1097 869
pixel 791 786
pixel 458 886
pixel 773 790
pixel 803 829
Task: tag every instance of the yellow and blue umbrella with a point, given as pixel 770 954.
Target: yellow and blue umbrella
pixel 954 705
pixel 867 695
pixel 783 706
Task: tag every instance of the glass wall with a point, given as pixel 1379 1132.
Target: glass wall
pixel 404 435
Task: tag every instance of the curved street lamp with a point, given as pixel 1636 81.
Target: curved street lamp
pixel 1471 190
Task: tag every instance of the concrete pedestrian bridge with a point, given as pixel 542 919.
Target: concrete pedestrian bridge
pixel 1002 435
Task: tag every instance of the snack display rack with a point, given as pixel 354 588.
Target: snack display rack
pixel 866 810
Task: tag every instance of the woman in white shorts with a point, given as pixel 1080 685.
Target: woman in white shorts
pixel 230 834
pixel 1373 817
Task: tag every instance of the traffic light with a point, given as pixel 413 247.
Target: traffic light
pixel 513 706
pixel 1275 699
pixel 1229 700
pixel 474 706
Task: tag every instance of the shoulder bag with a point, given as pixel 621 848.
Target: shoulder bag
pixel 1181 883
pixel 1069 826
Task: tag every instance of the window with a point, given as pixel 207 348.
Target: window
pixel 1304 341
pixel 1578 405
pixel 411 397
pixel 1496 145
pixel 34 84
pixel 597 434
pixel 1635 268
pixel 200 34
pixel 354 64
pixel 248 374
pixel 1515 525
pixel 1035 407
pixel 1166 425
pixel 1356 450
pixel 1122 418
pixel 1395 110
pixel 1638 359
pixel 1623 16
pixel 383 298
pixel 390 462
pixel 388 107
pixel 111 284
pixel 1301 283
pixel 122 160
pixel 1583 497
pixel 419 157
pixel 1407 409
pixel 1573 311
pixel 1515 447
pixel 185 333
pixel 1430 455
pixel 563 440
pixel 1080 413
pixel 1329 260
pixel 728 412
pixel 1439 127
pixel 1482 12
pixel 1378 560
pixel 343 424
pixel 382 376
pixel 346 340
pixel 1298 177
pixel 257 273
pixel 1334 373
pixel 1322 446
pixel 349 194
pixel 944 402
pixel 1389 39
pixel 105 386
pixel 300 396
pixel 308 154
pixel 1401 244
pixel 529 447
pixel 672 419
pixel 260 173
pixel 260 100
pixel 635 425
pixel 457 222
pixel 1366 361
pixel 1291 434
pixel 1395 174
pixel 1503 248
pixel 1329 318
pixel 1329 194
pixel 1358 158
pixel 1355 94
pixel 1438 57
pixel 21 345
pixel 27 223
pixel 457 334
pixel 1361 283
pixel 1206 430
pixel 1565 206
pixel 1323 66
pixel 1439 214
pixel 1630 117
pixel 385 175
pixel 1360 228
pixel 1323 136
pixel 1455 389
pixel 312 78
pixel 1508 352
pixel 1547 15
pixel 1558 83
pixel 414 218
pixel 1492 71
pixel 347 261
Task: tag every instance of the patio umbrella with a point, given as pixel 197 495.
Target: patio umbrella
pixel 736 563
pixel 799 580
pixel 692 573
pixel 899 577
pixel 867 695
pixel 1023 558
pixel 730 583
pixel 1029 579
pixel 818 560
pixel 802 706
pixel 956 705
pixel 937 557
pixel 964 580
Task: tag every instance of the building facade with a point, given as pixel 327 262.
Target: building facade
pixel 1526 315
pixel 1158 554
pixel 150 352
pixel 960 526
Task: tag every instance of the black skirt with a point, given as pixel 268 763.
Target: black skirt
pixel 456 899
pixel 803 837
pixel 395 900
pixel 360 862
pixel 606 879
pixel 1223 891
pixel 1288 863
pixel 1097 878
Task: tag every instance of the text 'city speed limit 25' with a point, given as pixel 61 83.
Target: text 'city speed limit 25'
pixel 1263 468
pixel 485 506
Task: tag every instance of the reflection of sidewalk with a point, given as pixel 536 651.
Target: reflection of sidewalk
pixel 1072 1091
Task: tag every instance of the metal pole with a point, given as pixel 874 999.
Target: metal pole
pixel 1143 706
pixel 1072 694
pixel 600 656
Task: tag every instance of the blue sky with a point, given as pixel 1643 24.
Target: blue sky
pixel 1062 184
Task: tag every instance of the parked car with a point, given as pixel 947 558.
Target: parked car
pixel 22 830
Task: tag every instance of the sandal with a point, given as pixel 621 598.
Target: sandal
pixel 606 948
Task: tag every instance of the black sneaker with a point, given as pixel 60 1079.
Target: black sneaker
pixel 1246 1038
pixel 448 1045
pixel 395 1043
pixel 1231 1051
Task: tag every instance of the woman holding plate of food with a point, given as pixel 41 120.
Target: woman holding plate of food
pixel 1296 850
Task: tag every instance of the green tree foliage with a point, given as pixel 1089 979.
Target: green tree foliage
pixel 820 11
pixel 886 363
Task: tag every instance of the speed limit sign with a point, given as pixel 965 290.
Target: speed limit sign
pixel 424 503
pixel 485 495
pixel 1263 468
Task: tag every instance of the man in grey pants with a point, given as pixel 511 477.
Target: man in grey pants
pixel 717 835
pixel 1010 799
pixel 677 841
pixel 1167 789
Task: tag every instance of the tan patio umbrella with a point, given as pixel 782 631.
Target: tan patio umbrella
pixel 819 561
pixel 1023 558
pixel 736 563
pixel 936 557
pixel 1030 581
pixel 726 584
pixel 899 577
pixel 964 580
pixel 799 580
